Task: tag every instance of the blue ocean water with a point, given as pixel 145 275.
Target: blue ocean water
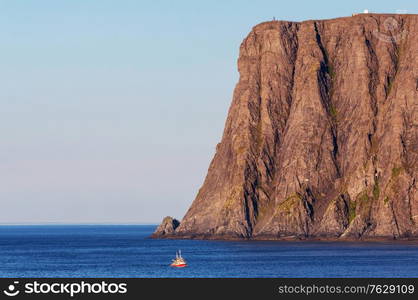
pixel 127 251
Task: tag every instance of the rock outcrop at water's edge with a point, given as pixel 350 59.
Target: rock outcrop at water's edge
pixel 321 139
pixel 167 227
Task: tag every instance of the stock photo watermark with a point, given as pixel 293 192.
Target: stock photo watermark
pixel 393 32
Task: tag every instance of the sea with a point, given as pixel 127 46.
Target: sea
pixel 127 251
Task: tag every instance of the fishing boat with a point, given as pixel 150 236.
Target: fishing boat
pixel 179 261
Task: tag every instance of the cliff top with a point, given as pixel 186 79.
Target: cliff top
pixel 356 17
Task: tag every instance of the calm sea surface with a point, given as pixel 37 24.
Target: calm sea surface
pixel 126 251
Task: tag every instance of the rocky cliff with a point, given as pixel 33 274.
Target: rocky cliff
pixel 321 138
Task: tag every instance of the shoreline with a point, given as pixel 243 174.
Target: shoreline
pixel 286 238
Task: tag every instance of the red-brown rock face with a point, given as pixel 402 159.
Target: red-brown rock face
pixel 321 138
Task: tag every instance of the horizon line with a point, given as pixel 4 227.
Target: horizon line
pixel 75 223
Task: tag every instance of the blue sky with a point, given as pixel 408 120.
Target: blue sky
pixel 111 110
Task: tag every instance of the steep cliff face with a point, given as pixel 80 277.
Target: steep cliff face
pixel 321 138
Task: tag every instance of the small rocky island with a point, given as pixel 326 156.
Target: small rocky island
pixel 321 139
pixel 167 227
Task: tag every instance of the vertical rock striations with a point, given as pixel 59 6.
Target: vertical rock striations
pixel 321 138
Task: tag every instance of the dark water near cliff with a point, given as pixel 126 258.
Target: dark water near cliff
pixel 126 251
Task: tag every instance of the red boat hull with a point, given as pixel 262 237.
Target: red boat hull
pixel 179 266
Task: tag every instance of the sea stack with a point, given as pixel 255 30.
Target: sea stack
pixel 321 139
pixel 167 227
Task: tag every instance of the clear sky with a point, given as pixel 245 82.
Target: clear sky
pixel 111 110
